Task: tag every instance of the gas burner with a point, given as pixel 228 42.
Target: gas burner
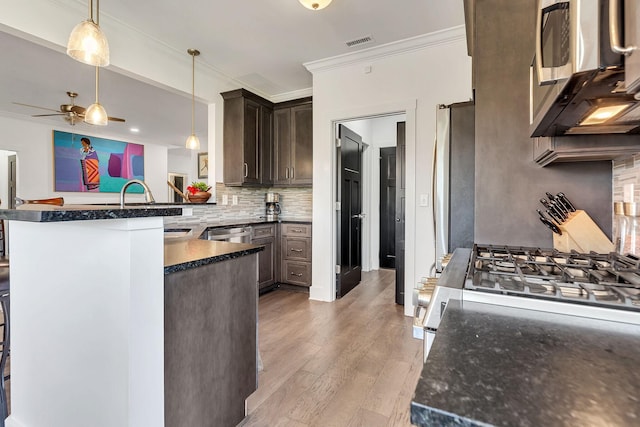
pixel 608 280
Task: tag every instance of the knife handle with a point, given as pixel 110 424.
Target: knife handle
pixel 551 226
pixel 565 200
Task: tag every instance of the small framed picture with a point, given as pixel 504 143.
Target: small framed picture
pixel 203 165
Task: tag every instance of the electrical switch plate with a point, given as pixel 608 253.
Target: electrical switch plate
pixel 234 199
pixel 424 200
pixel 225 199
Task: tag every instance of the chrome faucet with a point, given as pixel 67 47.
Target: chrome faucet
pixel 148 197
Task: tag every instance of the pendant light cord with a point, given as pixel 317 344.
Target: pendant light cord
pixel 193 93
pixel 97 82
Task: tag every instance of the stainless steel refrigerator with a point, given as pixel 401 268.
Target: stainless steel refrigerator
pixel 454 178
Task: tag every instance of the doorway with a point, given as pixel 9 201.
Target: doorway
pixel 8 169
pixel 379 134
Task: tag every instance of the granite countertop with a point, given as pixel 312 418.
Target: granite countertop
pixel 493 365
pixel 180 255
pixel 185 230
pixel 50 213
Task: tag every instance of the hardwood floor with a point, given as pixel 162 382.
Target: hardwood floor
pixel 349 363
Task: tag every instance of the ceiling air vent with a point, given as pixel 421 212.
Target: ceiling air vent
pixel 361 40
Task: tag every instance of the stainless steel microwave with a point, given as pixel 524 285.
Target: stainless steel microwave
pixel 577 79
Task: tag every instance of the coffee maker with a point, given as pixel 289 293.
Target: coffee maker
pixel 272 201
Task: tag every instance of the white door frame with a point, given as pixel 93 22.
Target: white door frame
pixel 407 107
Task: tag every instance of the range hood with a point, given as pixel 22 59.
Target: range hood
pixel 592 102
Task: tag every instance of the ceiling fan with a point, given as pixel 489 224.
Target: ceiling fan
pixel 72 113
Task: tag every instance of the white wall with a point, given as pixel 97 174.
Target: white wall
pixel 415 81
pixel 33 144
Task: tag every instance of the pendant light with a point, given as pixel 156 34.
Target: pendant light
pixel 87 43
pixel 96 114
pixel 315 4
pixel 193 143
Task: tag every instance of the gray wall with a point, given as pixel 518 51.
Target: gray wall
pixel 508 182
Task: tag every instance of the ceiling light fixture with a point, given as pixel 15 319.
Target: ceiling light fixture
pixel 87 43
pixel 315 4
pixel 193 143
pixel 96 114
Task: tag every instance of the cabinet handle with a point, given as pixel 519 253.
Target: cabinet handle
pixel 286 173
pixel 296 230
pixel 296 250
pixel 292 173
pixel 246 170
pixel 294 274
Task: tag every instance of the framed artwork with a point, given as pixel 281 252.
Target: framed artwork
pixel 203 165
pixel 83 163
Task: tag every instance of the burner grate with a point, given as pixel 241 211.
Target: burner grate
pixel 596 279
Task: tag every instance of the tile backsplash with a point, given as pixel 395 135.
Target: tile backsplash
pixel 626 171
pixel 295 203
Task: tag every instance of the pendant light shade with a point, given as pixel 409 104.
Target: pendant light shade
pixel 315 4
pixel 193 143
pixel 87 43
pixel 96 114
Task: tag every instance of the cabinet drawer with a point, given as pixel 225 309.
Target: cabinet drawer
pixel 262 231
pixel 296 273
pixel 302 230
pixel 296 248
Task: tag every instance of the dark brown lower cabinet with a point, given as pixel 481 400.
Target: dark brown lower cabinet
pixel 295 254
pixel 265 235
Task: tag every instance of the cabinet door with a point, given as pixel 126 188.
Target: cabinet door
pixel 266 262
pixel 251 142
pixel 266 145
pixel 282 145
pixel 301 171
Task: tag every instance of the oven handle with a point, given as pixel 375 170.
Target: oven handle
pixel 614 30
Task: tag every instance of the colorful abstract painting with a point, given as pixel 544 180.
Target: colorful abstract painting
pixel 85 163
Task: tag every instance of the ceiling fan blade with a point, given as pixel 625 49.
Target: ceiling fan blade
pixel 47 115
pixel 115 119
pixel 35 106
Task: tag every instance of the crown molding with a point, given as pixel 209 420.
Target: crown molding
pixel 294 94
pixel 424 41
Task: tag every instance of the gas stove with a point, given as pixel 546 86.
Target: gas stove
pixel 599 286
pixel 602 280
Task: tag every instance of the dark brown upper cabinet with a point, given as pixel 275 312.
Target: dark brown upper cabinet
pixel 293 143
pixel 247 139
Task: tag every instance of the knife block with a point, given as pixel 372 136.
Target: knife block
pixel 581 234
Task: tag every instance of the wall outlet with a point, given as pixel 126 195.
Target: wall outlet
pixel 234 199
pixel 424 200
pixel 225 199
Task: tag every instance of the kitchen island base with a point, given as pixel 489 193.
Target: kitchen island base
pixel 210 342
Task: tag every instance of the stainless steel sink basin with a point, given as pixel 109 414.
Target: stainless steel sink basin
pixel 177 232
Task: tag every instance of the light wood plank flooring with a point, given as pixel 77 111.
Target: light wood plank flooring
pixel 348 363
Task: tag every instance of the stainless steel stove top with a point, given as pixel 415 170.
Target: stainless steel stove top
pixel 602 280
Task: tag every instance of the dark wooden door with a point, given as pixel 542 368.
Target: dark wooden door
pixel 388 207
pixel 12 182
pixel 400 204
pixel 350 193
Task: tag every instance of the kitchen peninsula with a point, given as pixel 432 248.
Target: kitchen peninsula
pixel 112 324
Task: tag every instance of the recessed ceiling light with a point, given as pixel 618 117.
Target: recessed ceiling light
pixel 134 130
